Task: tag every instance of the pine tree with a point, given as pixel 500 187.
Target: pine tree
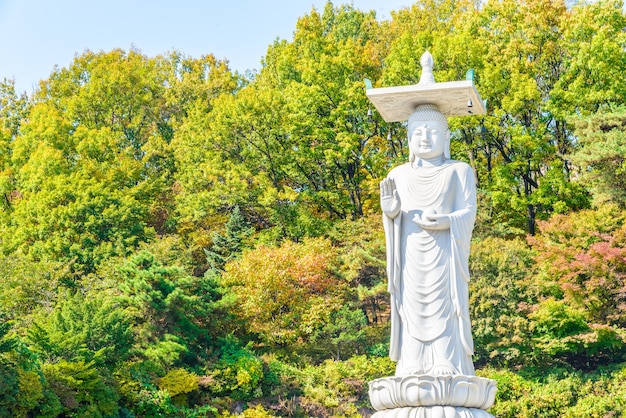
pixel 229 244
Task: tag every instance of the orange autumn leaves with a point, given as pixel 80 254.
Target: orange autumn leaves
pixel 284 293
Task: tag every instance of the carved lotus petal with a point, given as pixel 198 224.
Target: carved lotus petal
pixel 425 391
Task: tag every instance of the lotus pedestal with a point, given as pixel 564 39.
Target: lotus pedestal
pixel 423 396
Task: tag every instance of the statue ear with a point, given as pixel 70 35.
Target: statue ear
pixel 446 148
pixel 410 130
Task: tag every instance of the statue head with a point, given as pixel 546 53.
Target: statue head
pixel 428 122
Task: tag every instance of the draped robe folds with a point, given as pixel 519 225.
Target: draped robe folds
pixel 428 270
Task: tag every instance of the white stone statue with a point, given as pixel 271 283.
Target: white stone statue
pixel 429 207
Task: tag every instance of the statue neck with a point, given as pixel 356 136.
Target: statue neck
pixel 429 162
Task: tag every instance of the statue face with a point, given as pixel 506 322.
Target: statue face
pixel 428 139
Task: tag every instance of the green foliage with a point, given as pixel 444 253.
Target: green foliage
pixel 79 165
pixel 171 310
pixel 9 388
pixel 593 40
pixel 512 388
pixel 558 320
pixel 138 390
pixel 208 179
pixel 600 155
pixel 501 297
pixel 280 377
pixel 92 169
pixel 345 329
pixel 603 394
pixel 13 109
pixel 559 329
pixel 178 383
pixel 83 329
pixel 27 285
pixel 553 393
pixel 82 388
pixel 341 387
pixel 551 398
pixel 7 342
pixel 238 372
pixel 228 245
pixel 23 388
pixel 299 132
pixel 333 388
pixel 256 412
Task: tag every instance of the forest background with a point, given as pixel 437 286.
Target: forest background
pixel 178 239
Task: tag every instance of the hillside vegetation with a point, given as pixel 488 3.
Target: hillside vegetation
pixel 178 239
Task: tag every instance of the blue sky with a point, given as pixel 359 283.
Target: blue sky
pixel 36 35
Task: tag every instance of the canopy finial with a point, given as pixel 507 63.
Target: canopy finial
pixel 427 63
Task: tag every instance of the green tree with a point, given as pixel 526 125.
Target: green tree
pixel 600 155
pixel 594 60
pixel 80 329
pixel 523 63
pixel 230 244
pixel 173 312
pixel 9 388
pixel 83 389
pixel 501 297
pixel 299 132
pixel 82 172
pixel 13 111
pixel 92 167
pixel 344 334
pixel 23 388
pixel 361 251
pixel 27 286
pixel 198 87
pixel 238 372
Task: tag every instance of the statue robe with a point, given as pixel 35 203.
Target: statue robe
pixel 428 270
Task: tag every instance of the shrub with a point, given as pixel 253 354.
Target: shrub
pixel 342 386
pixel 81 388
pixel 238 372
pixel 178 383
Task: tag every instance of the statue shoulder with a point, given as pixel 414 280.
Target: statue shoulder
pixel 460 166
pixel 463 172
pixel 398 170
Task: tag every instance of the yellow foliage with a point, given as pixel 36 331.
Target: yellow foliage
pixel 276 288
pixel 30 389
pixel 179 381
pixel 256 412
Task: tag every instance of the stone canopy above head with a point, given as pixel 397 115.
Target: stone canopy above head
pixel 453 98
